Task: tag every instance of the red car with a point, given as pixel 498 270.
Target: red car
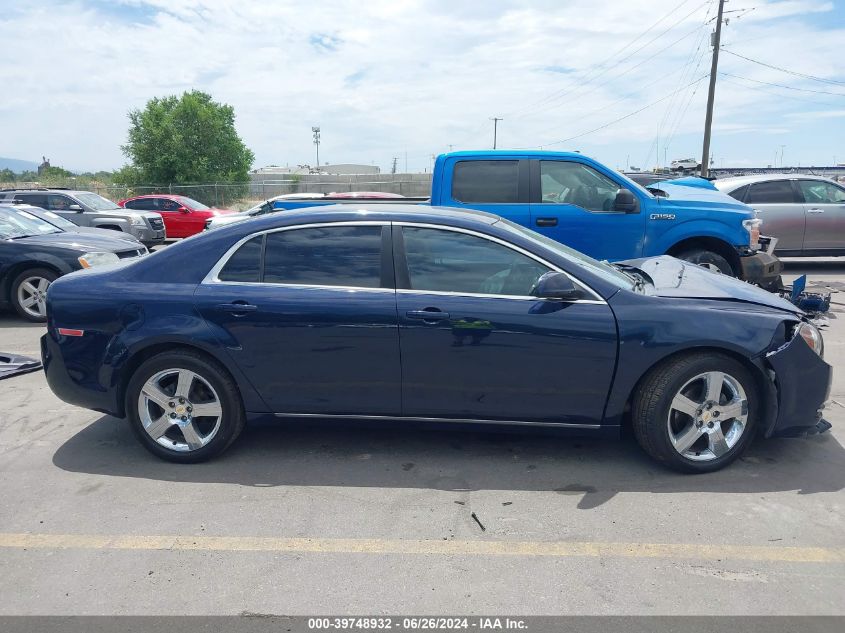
pixel 183 216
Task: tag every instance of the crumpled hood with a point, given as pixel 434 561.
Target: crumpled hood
pixel 676 278
pixel 680 195
pixel 82 242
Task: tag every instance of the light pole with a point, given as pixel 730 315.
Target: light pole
pixel 316 131
pixel 495 120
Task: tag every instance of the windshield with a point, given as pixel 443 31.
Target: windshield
pixel 193 204
pixel 96 202
pixel 16 223
pixel 56 220
pixel 603 269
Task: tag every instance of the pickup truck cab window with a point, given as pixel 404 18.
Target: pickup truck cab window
pixel 448 261
pixel 575 183
pixel 486 181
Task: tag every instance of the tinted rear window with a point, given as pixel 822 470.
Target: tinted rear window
pixel 772 192
pixel 486 181
pixel 739 194
pixel 245 264
pixel 325 256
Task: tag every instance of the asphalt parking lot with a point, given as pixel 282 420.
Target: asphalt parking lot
pixel 308 519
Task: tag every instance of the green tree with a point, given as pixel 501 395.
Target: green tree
pixel 7 175
pixel 181 140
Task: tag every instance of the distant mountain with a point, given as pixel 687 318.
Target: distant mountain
pixel 17 165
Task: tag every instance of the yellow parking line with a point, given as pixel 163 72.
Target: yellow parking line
pixel 559 549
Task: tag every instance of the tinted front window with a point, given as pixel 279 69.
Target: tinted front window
pixel 192 204
pixel 447 261
pixel 486 181
pixel 58 203
pixel 245 264
pixel 821 192
pixel 772 192
pixel 166 204
pixel 575 183
pixel 325 256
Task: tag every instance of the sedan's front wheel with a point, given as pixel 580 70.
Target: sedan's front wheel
pixel 696 413
pixel 29 293
pixel 184 407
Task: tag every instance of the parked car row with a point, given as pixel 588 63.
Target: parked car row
pixel 37 246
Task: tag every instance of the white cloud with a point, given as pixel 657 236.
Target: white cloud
pixel 386 77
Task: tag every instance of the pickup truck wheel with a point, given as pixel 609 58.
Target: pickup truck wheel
pixel 697 413
pixel 29 293
pixel 708 259
pixel 184 407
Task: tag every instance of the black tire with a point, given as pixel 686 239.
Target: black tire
pixel 225 392
pixel 703 257
pixel 652 407
pixel 14 294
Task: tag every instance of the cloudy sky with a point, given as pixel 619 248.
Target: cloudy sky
pixel 621 80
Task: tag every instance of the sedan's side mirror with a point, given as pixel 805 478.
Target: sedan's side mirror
pixel 183 210
pixel 625 201
pixel 555 285
pixel 75 207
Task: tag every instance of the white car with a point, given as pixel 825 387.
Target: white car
pixel 685 164
pixel 259 209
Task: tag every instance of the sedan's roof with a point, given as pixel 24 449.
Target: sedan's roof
pixel 385 212
pixel 735 182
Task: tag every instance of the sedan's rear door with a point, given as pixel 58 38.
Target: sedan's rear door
pixel 308 313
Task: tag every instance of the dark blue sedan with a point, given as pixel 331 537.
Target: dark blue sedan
pixel 402 312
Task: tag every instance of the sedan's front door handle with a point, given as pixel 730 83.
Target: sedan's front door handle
pixel 237 307
pixel 815 210
pixel 427 315
pixel 546 221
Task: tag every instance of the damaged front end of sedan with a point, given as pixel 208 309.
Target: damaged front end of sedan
pixel 799 379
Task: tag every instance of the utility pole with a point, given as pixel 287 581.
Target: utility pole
pixel 781 155
pixel 393 169
pixel 711 92
pixel 316 131
pixel 495 120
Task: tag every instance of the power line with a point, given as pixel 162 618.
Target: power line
pixel 622 118
pixel 784 70
pixel 779 95
pixel 767 83
pixel 583 79
pixel 619 76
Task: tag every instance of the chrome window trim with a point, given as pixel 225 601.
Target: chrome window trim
pixel 350 416
pixel 513 247
pixel 213 275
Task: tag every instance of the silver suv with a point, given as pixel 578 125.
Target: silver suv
pixel 85 208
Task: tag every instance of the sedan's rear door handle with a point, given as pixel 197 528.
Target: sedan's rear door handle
pixel 427 315
pixel 546 221
pixel 815 210
pixel 237 307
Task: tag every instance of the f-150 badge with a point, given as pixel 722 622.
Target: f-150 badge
pixel 662 216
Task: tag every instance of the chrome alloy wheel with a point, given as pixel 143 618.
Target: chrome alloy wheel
pixel 32 296
pixel 179 409
pixel 707 416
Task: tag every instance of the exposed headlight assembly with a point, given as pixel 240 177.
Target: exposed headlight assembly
pixel 811 336
pixel 89 260
pixel 753 228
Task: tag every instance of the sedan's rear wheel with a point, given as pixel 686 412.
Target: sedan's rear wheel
pixel 29 293
pixel 184 407
pixel 696 413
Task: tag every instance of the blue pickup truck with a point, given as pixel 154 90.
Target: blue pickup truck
pixel 578 201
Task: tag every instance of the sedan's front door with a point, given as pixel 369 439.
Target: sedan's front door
pixel 309 315
pixel 824 204
pixel 476 345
